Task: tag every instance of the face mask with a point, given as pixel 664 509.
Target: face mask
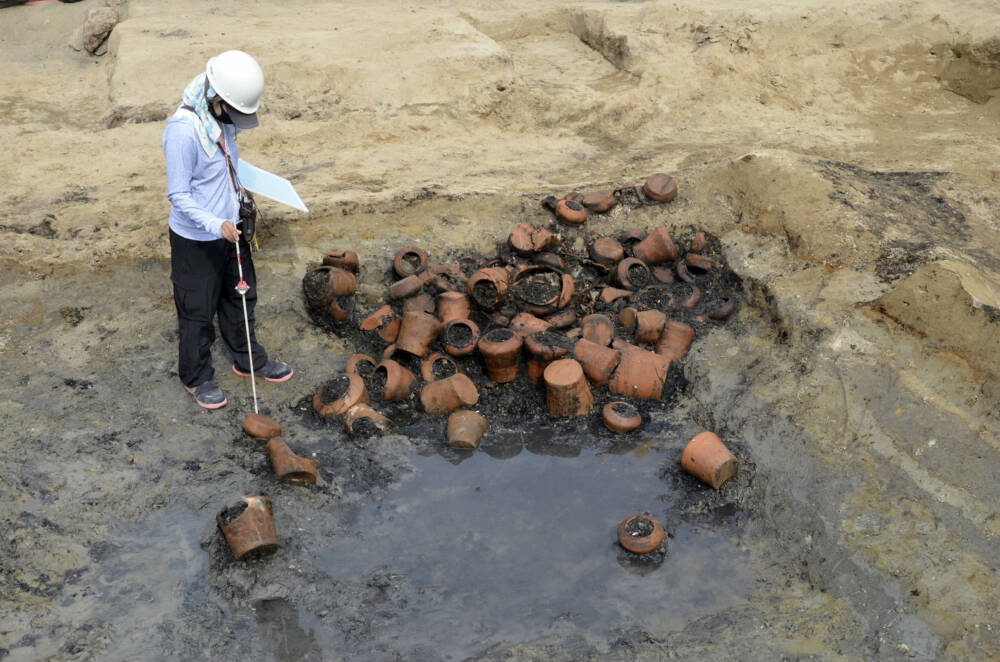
pixel 223 116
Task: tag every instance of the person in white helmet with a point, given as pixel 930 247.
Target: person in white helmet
pixel 199 144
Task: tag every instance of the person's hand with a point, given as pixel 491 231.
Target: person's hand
pixel 230 233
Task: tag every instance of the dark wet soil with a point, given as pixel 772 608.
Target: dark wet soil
pixel 498 335
pixel 459 335
pixel 442 368
pixel 335 388
pixel 485 294
pixel 638 275
pixel 539 289
pixel 639 527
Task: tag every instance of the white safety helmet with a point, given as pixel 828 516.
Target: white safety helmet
pixel 237 79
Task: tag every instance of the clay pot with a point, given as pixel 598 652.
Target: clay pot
pixel 500 348
pixel 663 274
pixel 639 543
pixel 598 361
pixel 525 239
pixel 631 273
pixel 353 365
pixel 416 332
pixel 362 413
pixel 444 396
pixel 261 427
pixel 571 211
pixel 406 287
pixel 640 374
pixel 598 328
pixel 431 362
pixel 550 260
pixel 660 187
pixel 683 273
pixel 253 530
pixel 599 201
pixel 389 351
pixel 562 319
pixel 488 286
pixel 621 417
pixel 607 251
pixel 448 278
pixel 572 195
pixel 693 299
pixel 649 325
pixel 674 340
pixel 343 282
pixel 465 429
pixel 630 238
pixel 612 294
pixel 567 392
pixel 626 317
pixel 453 330
pixel 343 259
pixel 727 308
pixel 708 459
pixel 340 308
pixel 655 248
pixel 698 244
pixel 409 260
pixel 453 306
pixel 354 394
pixel 699 262
pixel 399 381
pixel 524 324
pixel 543 348
pixel 289 467
pixel 419 303
pixel 383 322
pixel 541 306
pixel 316 286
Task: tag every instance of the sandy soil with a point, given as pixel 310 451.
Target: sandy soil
pixel 847 157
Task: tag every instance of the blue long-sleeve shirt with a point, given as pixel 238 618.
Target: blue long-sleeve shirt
pixel 199 188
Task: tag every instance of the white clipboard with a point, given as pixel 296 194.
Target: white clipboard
pixel 269 185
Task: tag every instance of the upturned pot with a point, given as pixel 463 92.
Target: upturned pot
pixel 343 259
pixel 598 361
pixel 416 333
pixel 460 337
pixel 655 248
pixel 660 187
pixel 631 273
pixel 640 374
pixel 620 417
pixel 405 287
pixel 361 414
pixel 444 396
pixel 567 393
pixel 382 322
pixel 437 362
pixel 500 349
pixel 259 426
pixel 626 317
pixel 252 530
pixel 674 340
pixel 542 349
pixel 419 303
pixel 599 201
pixel 640 534
pixel 649 325
pixel 409 260
pixel 354 393
pixel 453 306
pixel 465 429
pixel 488 286
pixel 526 239
pixel 571 211
pixel 708 459
pixel 524 324
pixel 399 382
pixel 607 251
pixel 598 328
pixel 289 467
pixel 562 319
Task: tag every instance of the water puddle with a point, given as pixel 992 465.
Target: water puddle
pixel 503 550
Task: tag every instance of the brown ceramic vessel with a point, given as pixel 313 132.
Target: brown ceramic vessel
pixel 444 396
pixel 567 392
pixel 660 187
pixel 488 286
pixel 354 416
pixel 599 201
pixel 452 331
pixel 437 362
pixel 399 381
pixel 343 259
pixel 571 211
pixel 640 374
pixel 500 349
pixel 354 394
pixel 707 458
pixel 607 251
pixel 640 543
pixel 253 530
pixel 674 340
pixel 383 322
pixel 598 361
pixel 465 429
pixel 261 427
pixel 408 261
pixel 632 273
pixel 649 325
pixel 598 328
pixel 453 306
pixel 655 248
pixel 416 332
pixel 289 467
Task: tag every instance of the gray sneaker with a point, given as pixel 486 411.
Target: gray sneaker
pixel 273 371
pixel 207 395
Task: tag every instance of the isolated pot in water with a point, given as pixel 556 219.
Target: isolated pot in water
pixel 465 429
pixel 656 248
pixel 708 459
pixel 409 260
pixel 416 332
pixel 444 396
pixel 289 467
pixel 500 348
pixel 640 534
pixel 252 530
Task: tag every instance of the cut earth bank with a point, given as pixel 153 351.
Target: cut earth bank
pixel 846 157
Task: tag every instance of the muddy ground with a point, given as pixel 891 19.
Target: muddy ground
pixel 845 157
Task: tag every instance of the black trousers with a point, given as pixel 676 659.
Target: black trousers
pixel 205 275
